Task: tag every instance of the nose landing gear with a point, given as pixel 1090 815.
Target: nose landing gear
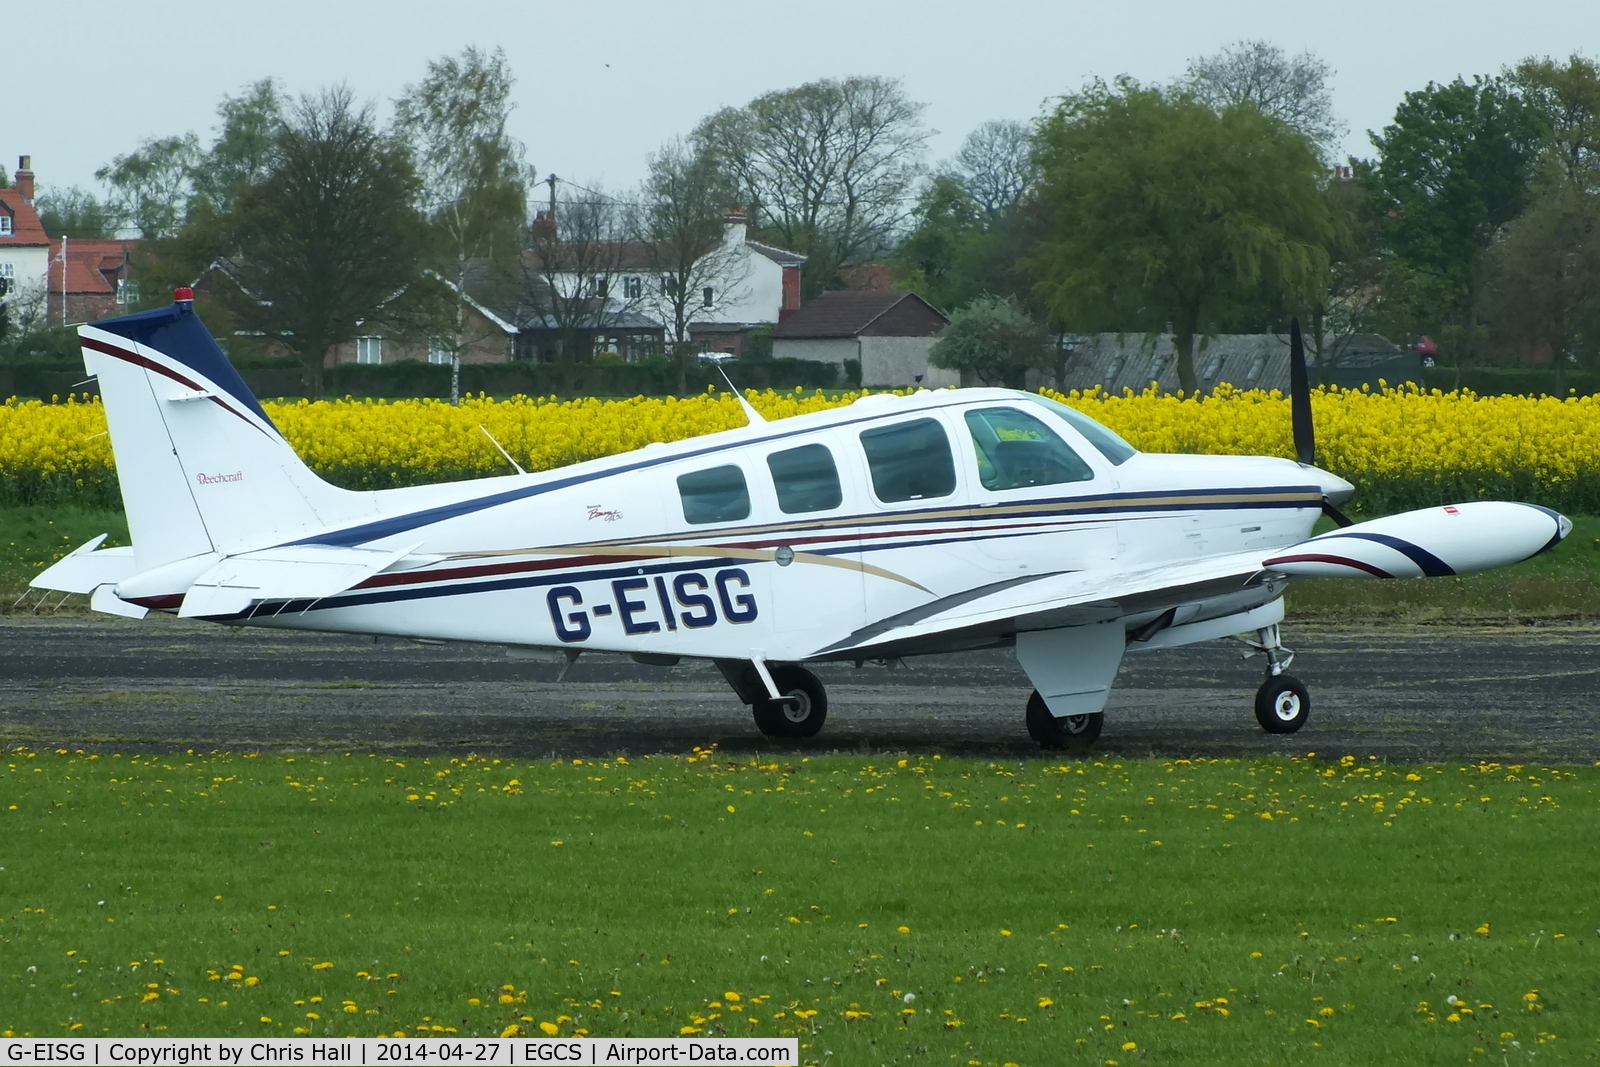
pixel 1283 704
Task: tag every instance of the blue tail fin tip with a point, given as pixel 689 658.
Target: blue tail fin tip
pixel 177 333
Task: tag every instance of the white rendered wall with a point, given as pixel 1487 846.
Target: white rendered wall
pixel 896 361
pixel 826 350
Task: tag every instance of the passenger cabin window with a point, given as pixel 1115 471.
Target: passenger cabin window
pixel 1016 450
pixel 806 479
pixel 910 461
pixel 715 495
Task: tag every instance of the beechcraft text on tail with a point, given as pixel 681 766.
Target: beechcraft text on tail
pixel 896 526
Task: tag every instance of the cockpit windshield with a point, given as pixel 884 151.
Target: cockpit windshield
pixel 1109 444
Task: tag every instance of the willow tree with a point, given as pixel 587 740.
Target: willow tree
pixel 1156 208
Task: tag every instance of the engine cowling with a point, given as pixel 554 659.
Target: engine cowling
pixel 1427 543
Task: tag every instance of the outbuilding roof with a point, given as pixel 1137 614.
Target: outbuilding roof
pixel 849 313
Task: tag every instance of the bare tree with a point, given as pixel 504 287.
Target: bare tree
pixel 573 273
pixel 1292 89
pixel 995 165
pixel 474 181
pixel 686 243
pixel 827 168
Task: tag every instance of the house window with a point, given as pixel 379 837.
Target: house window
pixel 666 284
pixel 602 288
pixel 706 297
pixel 369 350
pixel 5 225
pixel 633 287
pixel 7 275
pixel 127 291
pixel 439 351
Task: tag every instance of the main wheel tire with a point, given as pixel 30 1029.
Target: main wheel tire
pixel 1282 704
pixel 800 716
pixel 1075 732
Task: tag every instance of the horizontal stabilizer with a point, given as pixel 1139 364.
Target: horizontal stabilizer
pixel 83 570
pixel 294 572
pixel 106 601
pixel 1427 543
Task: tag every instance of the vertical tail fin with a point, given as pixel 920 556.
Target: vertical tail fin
pixel 202 467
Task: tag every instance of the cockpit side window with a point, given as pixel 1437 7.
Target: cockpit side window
pixel 806 479
pixel 1107 443
pixel 910 461
pixel 715 495
pixel 1015 450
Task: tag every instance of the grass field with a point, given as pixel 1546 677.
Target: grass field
pixel 1319 910
pixel 1564 583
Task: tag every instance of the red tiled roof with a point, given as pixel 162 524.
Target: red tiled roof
pixel 25 226
pixel 92 265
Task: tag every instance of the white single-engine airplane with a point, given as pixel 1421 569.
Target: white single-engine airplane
pixel 896 526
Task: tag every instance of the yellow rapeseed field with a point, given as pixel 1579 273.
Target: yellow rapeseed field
pixel 1401 448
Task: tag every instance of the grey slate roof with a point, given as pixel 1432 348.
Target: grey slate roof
pixel 1246 361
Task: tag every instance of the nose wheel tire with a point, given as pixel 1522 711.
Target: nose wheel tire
pixel 1074 732
pixel 802 714
pixel 1282 704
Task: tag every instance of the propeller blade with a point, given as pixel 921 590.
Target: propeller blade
pixel 1339 518
pixel 1305 442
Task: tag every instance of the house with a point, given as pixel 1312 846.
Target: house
pixel 97 283
pixel 743 286
pixel 24 252
pixel 886 334
pixel 1244 360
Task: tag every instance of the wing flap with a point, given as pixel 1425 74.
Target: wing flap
pixel 1052 601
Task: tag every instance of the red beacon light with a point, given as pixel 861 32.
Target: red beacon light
pixel 183 295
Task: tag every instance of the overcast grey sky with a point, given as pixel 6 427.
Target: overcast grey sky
pixel 600 85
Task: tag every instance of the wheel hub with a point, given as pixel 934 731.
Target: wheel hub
pixel 797 706
pixel 1287 706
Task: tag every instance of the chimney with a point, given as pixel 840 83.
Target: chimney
pixel 544 225
pixel 25 178
pixel 735 222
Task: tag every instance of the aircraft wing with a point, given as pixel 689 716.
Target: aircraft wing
pixel 291 572
pixel 1049 601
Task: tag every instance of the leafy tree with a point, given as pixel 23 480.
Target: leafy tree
pixel 968 227
pixel 474 180
pixel 1452 170
pixel 827 168
pixel 151 186
pixel 76 213
pixel 684 222
pixel 992 341
pixel 1567 101
pixel 1291 89
pixel 1542 280
pixel 327 245
pixel 242 151
pixel 1155 208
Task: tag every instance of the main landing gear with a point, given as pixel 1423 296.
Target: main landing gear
pixel 1282 703
pixel 1072 732
pixel 802 706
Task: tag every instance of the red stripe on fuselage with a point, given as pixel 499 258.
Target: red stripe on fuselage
pixel 1341 561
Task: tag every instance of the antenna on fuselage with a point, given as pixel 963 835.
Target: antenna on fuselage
pixel 750 412
pixel 503 452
